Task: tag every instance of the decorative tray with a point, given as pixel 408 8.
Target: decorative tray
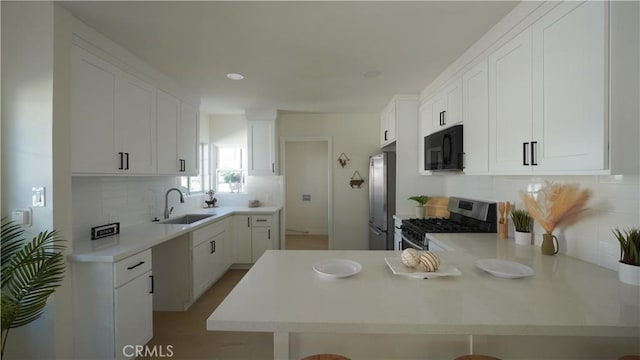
pixel 398 268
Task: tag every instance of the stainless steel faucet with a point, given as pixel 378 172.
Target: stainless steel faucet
pixel 166 201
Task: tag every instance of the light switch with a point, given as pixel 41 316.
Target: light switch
pixel 37 196
pixel 306 197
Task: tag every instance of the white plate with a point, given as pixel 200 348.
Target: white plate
pixel 504 268
pixel 398 268
pixel 337 268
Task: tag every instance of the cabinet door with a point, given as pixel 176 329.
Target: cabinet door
pixel 217 260
pixel 388 125
pixel 425 113
pixel 241 243
pixel 134 313
pixel 510 109
pixel 202 269
pixel 261 148
pixel 92 114
pixel 570 81
pixel 453 96
pixel 260 242
pixel 438 111
pixel 136 124
pixel 476 119
pixel 188 139
pixel 168 115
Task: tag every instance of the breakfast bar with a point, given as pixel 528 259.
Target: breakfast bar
pixel 567 307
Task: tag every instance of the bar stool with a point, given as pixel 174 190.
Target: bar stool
pixel 325 357
pixel 477 357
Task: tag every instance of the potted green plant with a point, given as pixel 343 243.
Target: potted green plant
pixel 422 201
pixel 523 223
pixel 629 265
pixel 31 271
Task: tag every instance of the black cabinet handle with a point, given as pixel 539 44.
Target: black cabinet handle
pixel 213 246
pixel 151 292
pixel 534 148
pixel 261 220
pixel 127 167
pixel 269 234
pixel 524 153
pixel 248 222
pixel 121 156
pixel 135 266
pixel 385 135
pixel 273 168
pixel 444 117
pixel 441 118
pixel 184 165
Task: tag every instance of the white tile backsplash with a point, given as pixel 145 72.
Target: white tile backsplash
pixel 615 202
pixel 127 200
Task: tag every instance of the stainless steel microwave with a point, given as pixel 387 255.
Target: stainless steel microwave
pixel 443 150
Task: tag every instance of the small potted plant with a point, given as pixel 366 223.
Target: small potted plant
pixel 522 222
pixel 422 201
pixel 629 265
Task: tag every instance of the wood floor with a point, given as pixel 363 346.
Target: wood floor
pixel 307 242
pixel 186 331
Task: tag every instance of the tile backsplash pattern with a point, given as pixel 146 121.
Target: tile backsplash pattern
pixel 135 200
pixel 615 202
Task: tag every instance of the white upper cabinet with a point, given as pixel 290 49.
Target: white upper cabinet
pixel 113 119
pixel 425 127
pixel 123 125
pixel 135 135
pixel 92 114
pixel 188 139
pixel 388 125
pixel 177 136
pixel 510 107
pixel 446 105
pixel 168 109
pixel 261 142
pixel 475 107
pixel 569 87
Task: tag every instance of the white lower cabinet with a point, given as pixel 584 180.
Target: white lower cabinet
pixel 253 235
pixel 113 307
pixel 208 256
pixel 134 314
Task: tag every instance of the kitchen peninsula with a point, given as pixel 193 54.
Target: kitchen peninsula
pixel 568 308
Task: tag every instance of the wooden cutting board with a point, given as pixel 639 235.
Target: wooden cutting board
pixel 438 207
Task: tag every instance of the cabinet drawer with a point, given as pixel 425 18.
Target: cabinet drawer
pixel 131 267
pixel 261 221
pixel 205 233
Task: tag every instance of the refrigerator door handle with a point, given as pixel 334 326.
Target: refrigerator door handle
pixel 375 230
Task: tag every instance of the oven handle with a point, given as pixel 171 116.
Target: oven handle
pixel 412 244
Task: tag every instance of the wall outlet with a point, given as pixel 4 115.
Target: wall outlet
pixel 306 197
pixel 21 217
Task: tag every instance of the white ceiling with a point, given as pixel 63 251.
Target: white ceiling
pixel 296 56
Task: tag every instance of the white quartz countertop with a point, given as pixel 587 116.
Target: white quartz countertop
pixel 565 297
pixel 136 238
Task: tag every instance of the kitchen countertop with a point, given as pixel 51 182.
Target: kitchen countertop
pixel 136 238
pixel 565 297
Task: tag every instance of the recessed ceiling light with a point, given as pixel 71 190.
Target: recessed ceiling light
pixel 234 76
pixel 372 74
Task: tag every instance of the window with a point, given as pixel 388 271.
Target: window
pixel 201 182
pixel 230 172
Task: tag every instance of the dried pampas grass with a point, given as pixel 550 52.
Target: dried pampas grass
pixel 557 205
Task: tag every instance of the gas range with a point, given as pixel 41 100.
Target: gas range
pixel 466 216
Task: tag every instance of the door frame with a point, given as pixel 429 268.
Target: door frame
pixel 283 143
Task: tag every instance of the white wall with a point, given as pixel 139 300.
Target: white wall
pixel 615 203
pixel 306 173
pixel 35 97
pixel 357 136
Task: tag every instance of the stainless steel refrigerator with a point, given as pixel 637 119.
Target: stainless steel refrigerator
pixel 382 200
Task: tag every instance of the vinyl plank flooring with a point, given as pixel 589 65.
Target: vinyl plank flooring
pixel 186 331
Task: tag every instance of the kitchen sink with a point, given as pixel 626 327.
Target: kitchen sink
pixel 187 219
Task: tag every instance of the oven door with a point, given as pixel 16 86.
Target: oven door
pixel 406 244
